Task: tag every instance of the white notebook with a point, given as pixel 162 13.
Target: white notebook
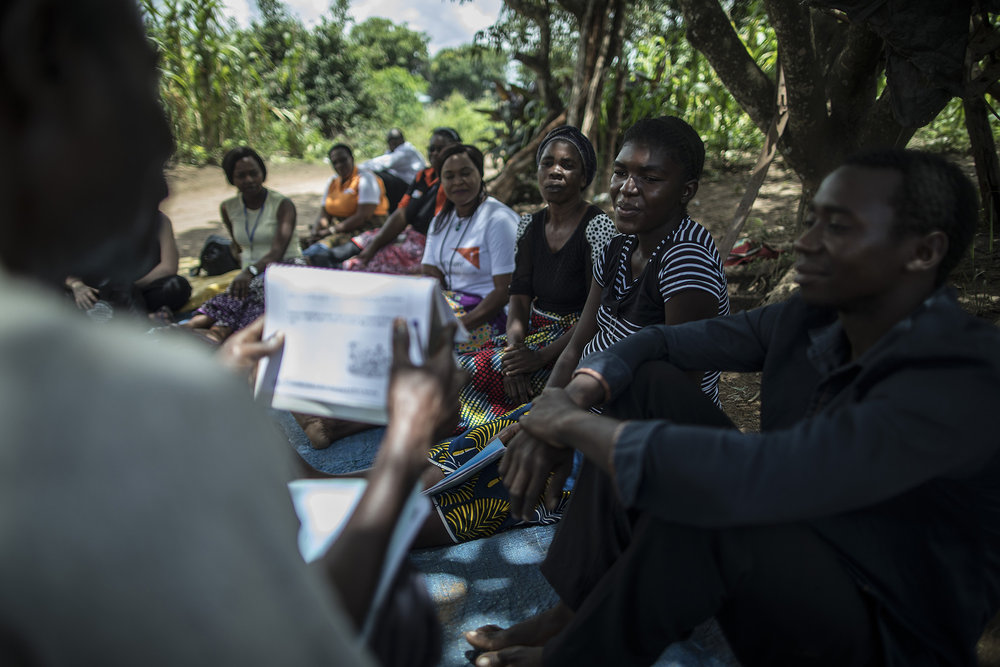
pixel 338 337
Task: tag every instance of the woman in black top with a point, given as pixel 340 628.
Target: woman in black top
pixel 555 253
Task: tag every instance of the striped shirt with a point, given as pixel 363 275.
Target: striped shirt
pixel 685 259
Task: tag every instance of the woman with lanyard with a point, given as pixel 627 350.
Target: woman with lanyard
pixel 470 247
pixel 262 223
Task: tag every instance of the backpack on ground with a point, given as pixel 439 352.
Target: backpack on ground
pixel 216 257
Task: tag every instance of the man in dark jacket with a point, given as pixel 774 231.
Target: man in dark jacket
pixel 861 526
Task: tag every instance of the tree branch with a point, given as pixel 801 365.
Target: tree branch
pixel 531 61
pixel 709 31
pixel 575 7
pixel 539 15
pixel 807 119
pixel 852 81
pixel 539 63
pixel 609 49
pixel 586 55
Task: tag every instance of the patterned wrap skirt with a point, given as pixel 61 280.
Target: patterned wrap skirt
pixel 483 398
pixel 481 506
pixel 461 303
pixel 235 313
pixel 403 256
pixel 229 311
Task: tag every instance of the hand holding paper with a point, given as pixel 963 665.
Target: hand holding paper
pixel 337 354
pixel 244 349
pixel 422 399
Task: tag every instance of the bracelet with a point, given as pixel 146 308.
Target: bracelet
pixel 597 376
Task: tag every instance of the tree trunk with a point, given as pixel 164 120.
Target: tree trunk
pixel 983 41
pixel 608 148
pixel 984 152
pixel 601 30
pixel 831 69
pixel 539 62
pixel 610 48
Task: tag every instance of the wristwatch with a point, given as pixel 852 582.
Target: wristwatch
pixel 254 271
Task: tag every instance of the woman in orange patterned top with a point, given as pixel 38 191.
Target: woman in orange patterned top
pixel 355 201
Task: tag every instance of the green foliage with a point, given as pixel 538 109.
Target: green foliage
pixel 468 69
pixel 514 36
pixel 518 116
pixel 199 65
pixel 459 113
pixel 334 89
pixel 282 88
pixel 398 93
pixel 946 132
pixel 397 105
pixel 286 89
pixel 381 44
pixel 275 46
pixel 367 137
pixel 668 77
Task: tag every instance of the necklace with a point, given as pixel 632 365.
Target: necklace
pixel 459 221
pixel 454 250
pixel 246 221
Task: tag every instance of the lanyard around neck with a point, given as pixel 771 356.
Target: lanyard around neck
pixel 454 250
pixel 246 219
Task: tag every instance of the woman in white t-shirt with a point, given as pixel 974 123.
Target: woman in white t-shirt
pixel 470 246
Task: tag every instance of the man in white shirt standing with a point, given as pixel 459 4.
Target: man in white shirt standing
pixel 402 160
pixel 397 167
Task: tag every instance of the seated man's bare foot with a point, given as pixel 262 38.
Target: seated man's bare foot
pixel 161 317
pixel 516 656
pixel 315 429
pixel 324 431
pixel 535 631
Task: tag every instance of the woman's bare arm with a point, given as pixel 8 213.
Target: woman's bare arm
pixel 354 221
pixel 169 256
pixel 492 303
pixel 585 329
pixel 421 400
pixel 282 236
pixel 392 228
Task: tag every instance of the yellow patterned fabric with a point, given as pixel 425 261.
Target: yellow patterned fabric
pixel 203 288
pixel 483 397
pixel 461 304
pixel 481 507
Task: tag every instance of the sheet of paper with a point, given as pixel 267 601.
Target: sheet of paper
pixel 338 337
pixel 491 452
pixel 323 507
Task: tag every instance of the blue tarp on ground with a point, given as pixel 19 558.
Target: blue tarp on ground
pixel 495 580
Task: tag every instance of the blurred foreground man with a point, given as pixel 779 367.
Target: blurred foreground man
pixel 860 527
pixel 144 517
